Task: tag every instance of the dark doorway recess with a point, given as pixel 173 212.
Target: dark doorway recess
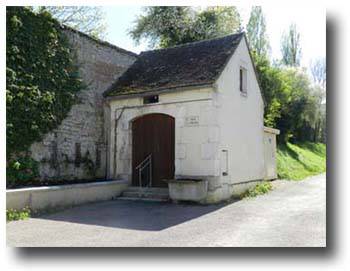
pixel 154 134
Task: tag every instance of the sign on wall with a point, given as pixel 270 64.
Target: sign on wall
pixel 192 121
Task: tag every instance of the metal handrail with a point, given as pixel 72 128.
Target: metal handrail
pixel 146 162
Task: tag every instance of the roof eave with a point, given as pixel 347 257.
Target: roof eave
pixel 253 63
pixel 143 93
pixel 229 57
pixel 255 71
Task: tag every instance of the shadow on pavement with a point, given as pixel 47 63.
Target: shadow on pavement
pixel 135 215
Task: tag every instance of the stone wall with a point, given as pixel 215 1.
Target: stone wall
pixel 77 148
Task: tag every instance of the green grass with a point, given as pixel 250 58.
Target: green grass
pixel 298 161
pixel 259 189
pixel 12 214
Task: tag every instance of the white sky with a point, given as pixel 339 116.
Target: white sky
pixel 311 23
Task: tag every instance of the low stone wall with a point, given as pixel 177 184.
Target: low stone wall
pixel 41 198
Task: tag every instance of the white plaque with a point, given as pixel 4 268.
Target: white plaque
pixel 192 121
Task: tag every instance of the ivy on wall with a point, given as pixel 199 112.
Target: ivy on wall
pixel 41 77
pixel 41 85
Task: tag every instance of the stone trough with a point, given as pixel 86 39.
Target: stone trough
pixel 188 190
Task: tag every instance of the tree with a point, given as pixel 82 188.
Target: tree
pixel 256 32
pixel 88 19
pixel 293 104
pixel 295 98
pixel 272 87
pixel 169 26
pixel 215 22
pixel 290 47
pixel 161 25
pixel 318 71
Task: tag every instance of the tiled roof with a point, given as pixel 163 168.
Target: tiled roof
pixel 192 64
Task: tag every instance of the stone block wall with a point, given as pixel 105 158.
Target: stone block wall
pixel 77 148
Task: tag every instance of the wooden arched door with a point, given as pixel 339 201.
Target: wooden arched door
pixel 153 134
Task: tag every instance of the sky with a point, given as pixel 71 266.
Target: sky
pixel 311 23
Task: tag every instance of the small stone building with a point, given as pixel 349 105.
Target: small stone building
pixel 193 111
pixel 197 109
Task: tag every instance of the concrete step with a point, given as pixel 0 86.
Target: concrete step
pixel 148 189
pixel 143 199
pixel 145 193
pixel 136 194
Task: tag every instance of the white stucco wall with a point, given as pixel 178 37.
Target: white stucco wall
pixel 240 121
pixel 196 141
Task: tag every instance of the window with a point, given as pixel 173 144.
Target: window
pixel 151 99
pixel 243 80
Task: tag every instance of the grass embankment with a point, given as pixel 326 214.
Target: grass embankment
pixel 298 161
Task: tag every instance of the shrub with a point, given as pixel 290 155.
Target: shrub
pixel 259 189
pixel 13 214
pixel 21 171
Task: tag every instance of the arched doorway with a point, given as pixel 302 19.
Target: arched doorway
pixel 153 134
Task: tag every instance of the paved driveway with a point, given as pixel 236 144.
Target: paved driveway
pixel 294 214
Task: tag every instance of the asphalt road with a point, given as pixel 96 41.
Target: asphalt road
pixel 292 215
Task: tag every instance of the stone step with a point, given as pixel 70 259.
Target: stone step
pixel 148 189
pixel 145 194
pixel 143 199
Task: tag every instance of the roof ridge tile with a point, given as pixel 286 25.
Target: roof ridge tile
pixel 187 44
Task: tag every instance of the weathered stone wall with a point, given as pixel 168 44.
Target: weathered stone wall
pixel 77 148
